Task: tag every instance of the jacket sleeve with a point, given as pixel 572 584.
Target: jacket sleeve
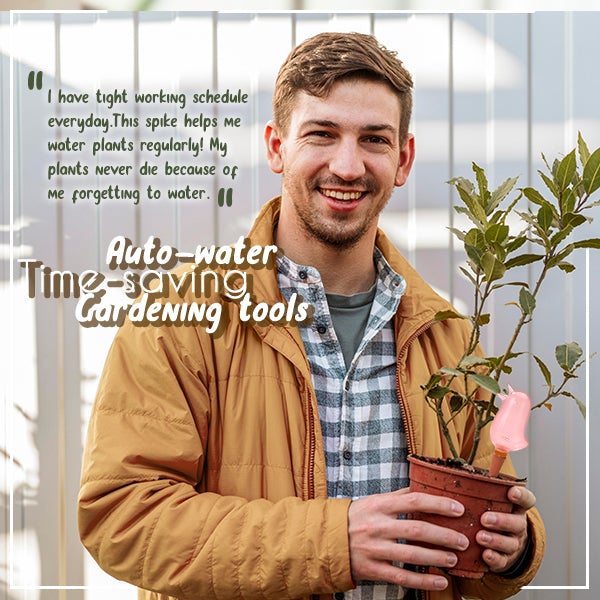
pixel 142 514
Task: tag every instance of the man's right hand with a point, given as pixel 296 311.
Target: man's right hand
pixel 374 530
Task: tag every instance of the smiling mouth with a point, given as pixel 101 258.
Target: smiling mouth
pixel 339 195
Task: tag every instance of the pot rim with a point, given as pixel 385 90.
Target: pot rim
pixel 478 473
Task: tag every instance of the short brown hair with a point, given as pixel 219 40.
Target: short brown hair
pixel 321 61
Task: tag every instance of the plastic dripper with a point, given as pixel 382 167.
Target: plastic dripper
pixel 507 431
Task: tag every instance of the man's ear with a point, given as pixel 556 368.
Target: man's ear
pixel 274 142
pixel 407 156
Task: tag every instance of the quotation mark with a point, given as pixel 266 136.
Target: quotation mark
pixel 225 192
pixel 35 80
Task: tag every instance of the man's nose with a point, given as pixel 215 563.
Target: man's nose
pixel 347 160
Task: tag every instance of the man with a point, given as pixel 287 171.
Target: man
pixel 270 461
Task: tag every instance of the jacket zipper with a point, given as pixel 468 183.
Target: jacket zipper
pixel 311 450
pixel 309 491
pixel 408 427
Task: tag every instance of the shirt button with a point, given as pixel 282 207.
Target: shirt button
pixel 322 329
pixel 347 454
pixel 339 596
pixel 302 274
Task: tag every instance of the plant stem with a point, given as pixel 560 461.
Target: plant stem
pixel 520 323
pixel 442 421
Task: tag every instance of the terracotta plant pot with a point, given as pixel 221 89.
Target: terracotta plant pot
pixel 476 490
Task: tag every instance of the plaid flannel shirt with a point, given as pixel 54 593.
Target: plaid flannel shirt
pixel 365 445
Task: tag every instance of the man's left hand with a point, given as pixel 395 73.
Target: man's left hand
pixel 505 534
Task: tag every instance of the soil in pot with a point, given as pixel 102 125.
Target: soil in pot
pixel 471 486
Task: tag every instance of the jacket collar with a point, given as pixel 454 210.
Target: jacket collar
pixel 419 304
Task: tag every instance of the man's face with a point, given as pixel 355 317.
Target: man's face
pixel 340 160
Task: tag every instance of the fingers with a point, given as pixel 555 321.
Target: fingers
pixel 407 502
pixel 514 523
pixel 381 571
pixel 372 517
pixel 504 547
pixel 505 535
pixel 522 497
pixel 496 561
pixel 499 542
pixel 511 523
pixel 374 530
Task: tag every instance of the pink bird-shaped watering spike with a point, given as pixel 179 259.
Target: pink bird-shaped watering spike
pixel 507 431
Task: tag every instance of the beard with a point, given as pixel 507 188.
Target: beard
pixel 342 230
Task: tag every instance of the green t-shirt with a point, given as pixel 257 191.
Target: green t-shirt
pixel 350 315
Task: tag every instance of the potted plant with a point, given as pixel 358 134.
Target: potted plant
pixel 494 251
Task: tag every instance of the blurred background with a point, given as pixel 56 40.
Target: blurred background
pixel 495 88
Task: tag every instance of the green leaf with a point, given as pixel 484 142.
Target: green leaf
pixel 555 165
pixel 472 361
pixel 462 210
pixel 549 184
pixel 566 170
pixel 458 233
pixel 498 217
pixel 561 235
pixel 449 371
pixel 492 267
pixel 545 161
pixel 567 355
pixel 433 380
pixel 545 216
pixel 500 193
pixel 532 220
pixel 515 243
pixel 486 382
pixel 581 406
pixel 534 196
pixel 519 283
pixel 573 220
pixel 522 259
pixel 467 194
pixel 567 201
pixel 591 243
pixel 482 183
pixel 476 238
pixel 496 233
pixel 559 258
pixel 468 275
pixel 526 301
pixel 457 403
pixel 496 360
pixel 591 172
pixel 475 254
pixel 584 153
pixel 566 267
pixel 442 315
pixel 437 392
pixel 482 320
pixel 592 204
pixel 545 370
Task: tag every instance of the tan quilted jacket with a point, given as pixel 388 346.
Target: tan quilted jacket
pixel 204 470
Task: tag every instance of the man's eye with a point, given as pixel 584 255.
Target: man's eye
pixel 375 139
pixel 319 133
